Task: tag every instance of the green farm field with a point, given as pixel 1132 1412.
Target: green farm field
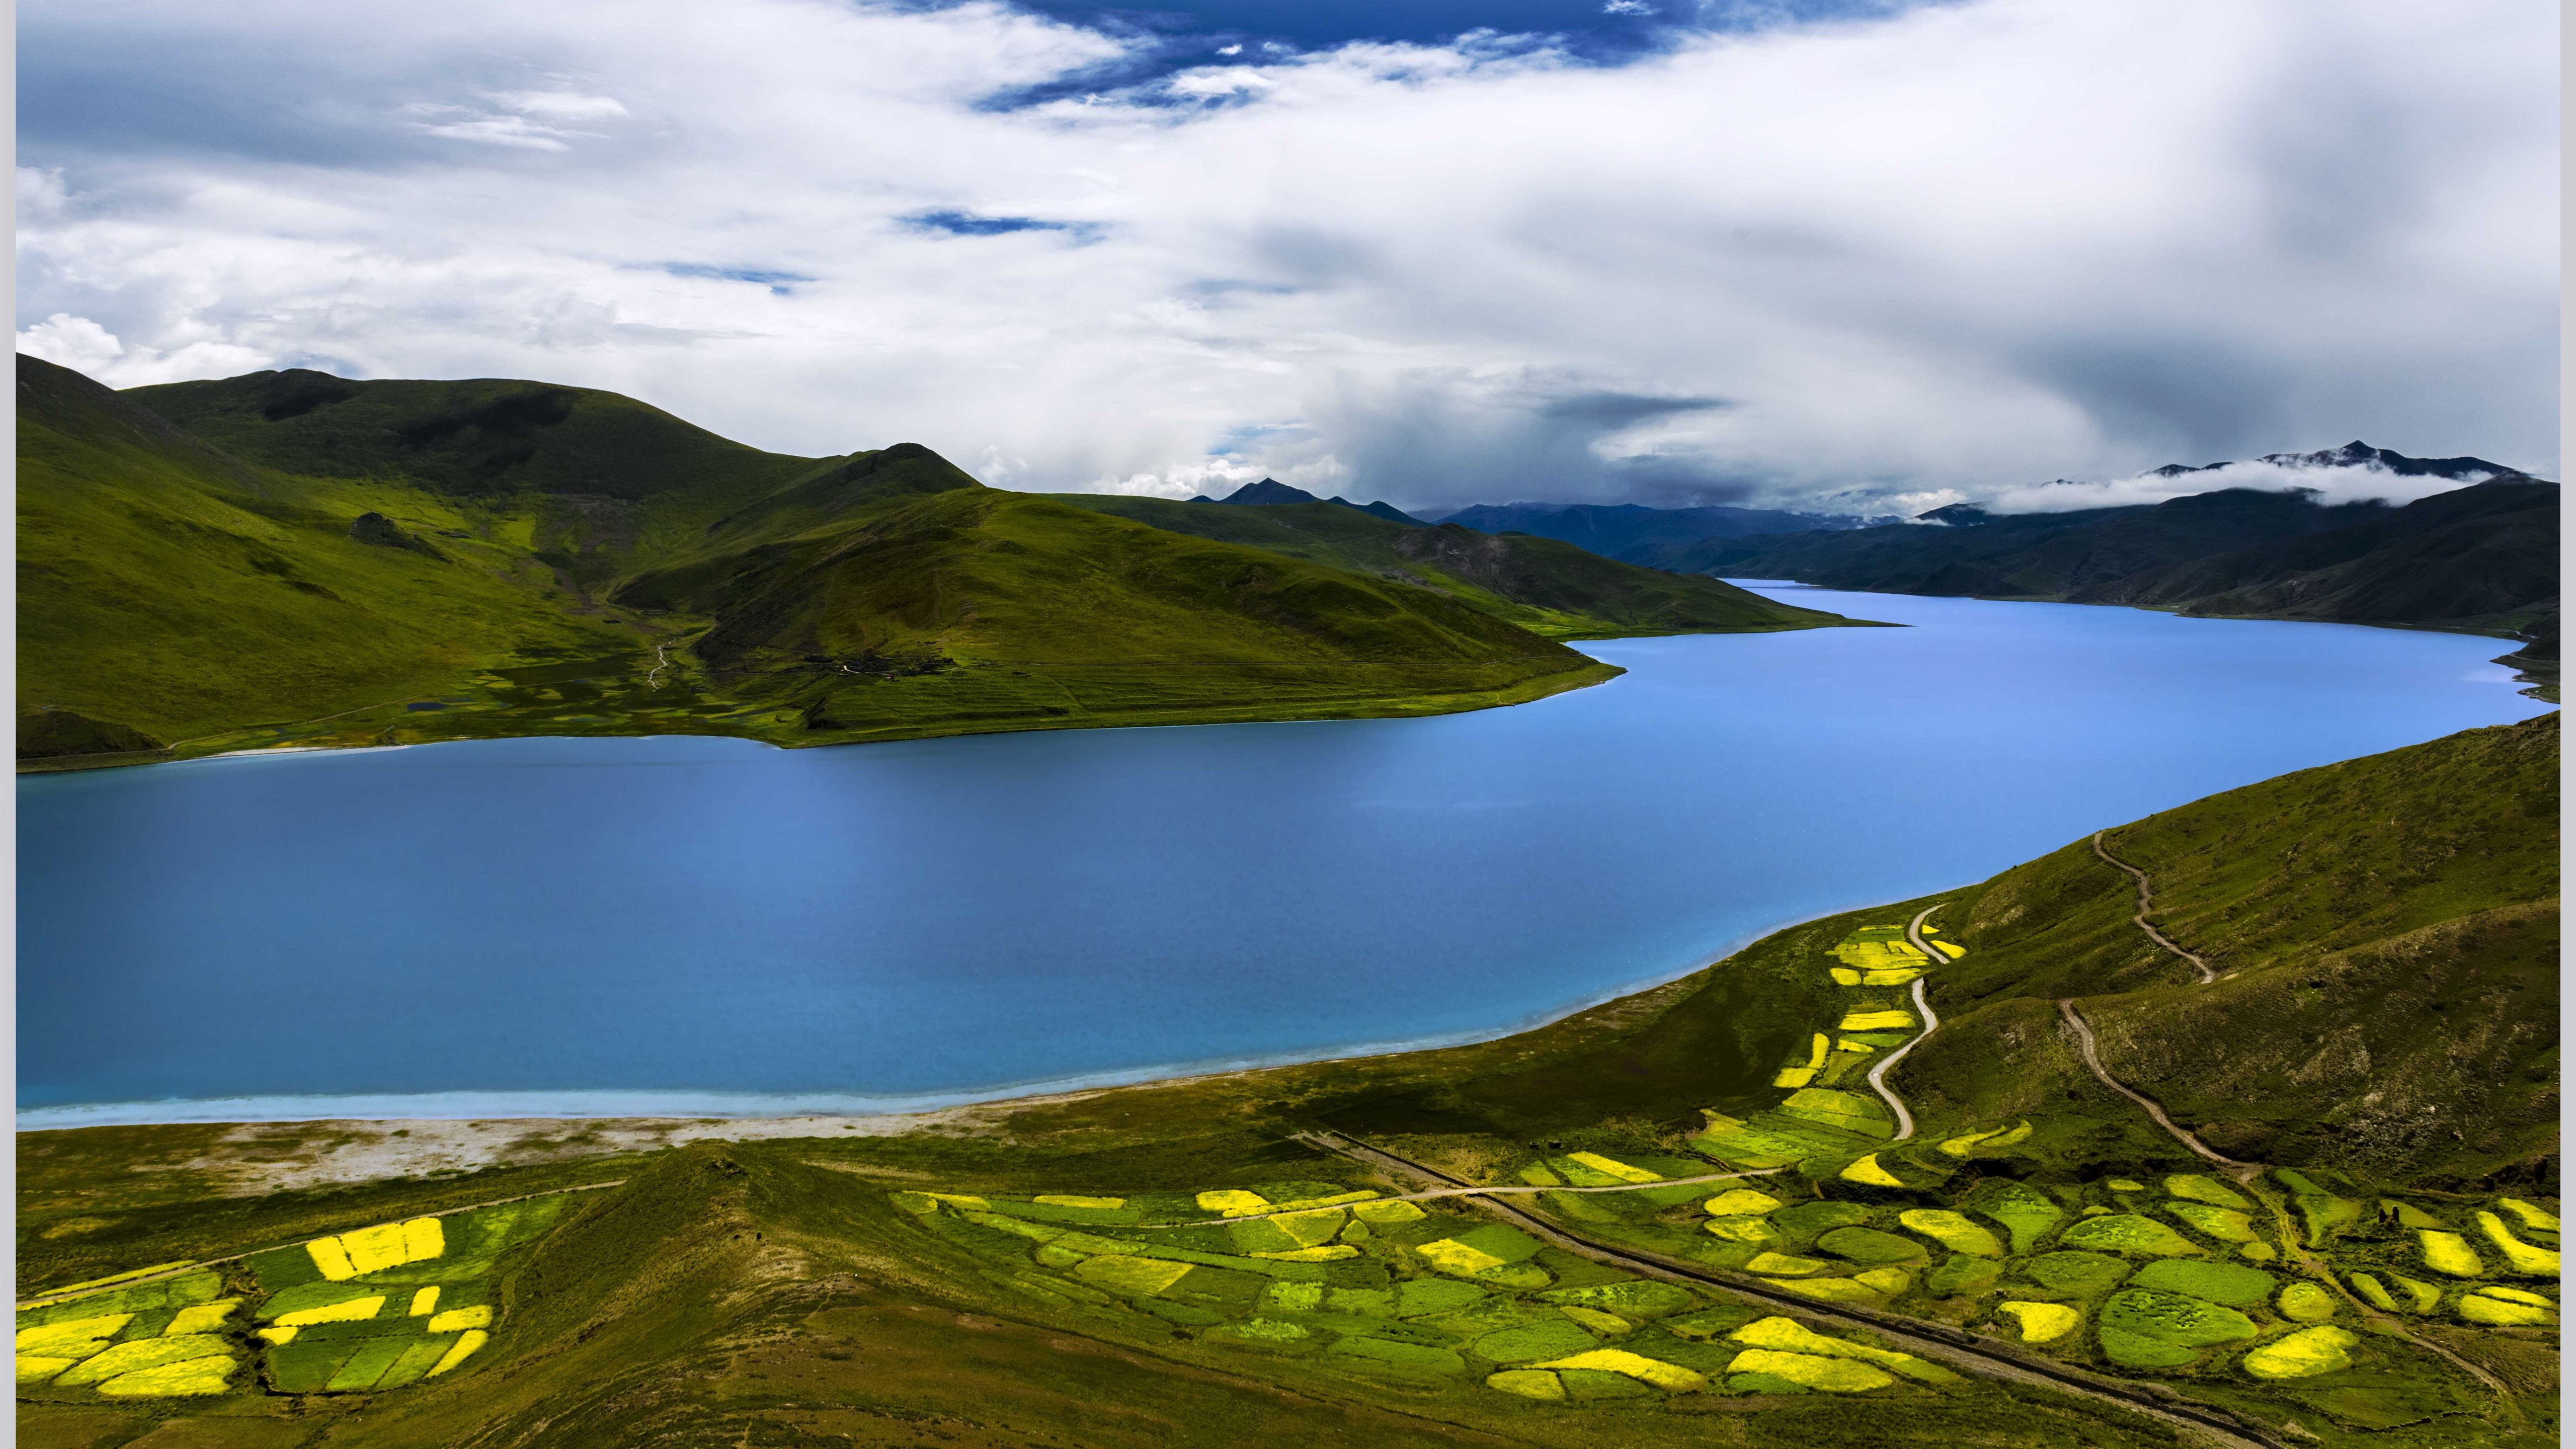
pixel 1759 1205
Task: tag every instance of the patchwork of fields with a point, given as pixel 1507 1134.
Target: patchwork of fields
pixel 1308 1270
pixel 2258 1285
pixel 379 1307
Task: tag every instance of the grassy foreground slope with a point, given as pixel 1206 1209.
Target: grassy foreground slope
pixel 295 558
pixel 2384 930
pixel 2386 933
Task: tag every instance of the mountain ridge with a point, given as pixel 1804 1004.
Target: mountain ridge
pixel 1271 493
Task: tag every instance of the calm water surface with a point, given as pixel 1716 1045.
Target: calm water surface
pixel 707 925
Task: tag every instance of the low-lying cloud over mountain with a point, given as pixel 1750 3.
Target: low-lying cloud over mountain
pixel 2353 473
pixel 1863 265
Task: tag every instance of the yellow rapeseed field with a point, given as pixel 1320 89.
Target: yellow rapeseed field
pixel 470 1340
pixel 349 1312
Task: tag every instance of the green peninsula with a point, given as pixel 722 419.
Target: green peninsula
pixel 292 558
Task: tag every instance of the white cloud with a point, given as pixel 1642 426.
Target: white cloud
pixel 523 119
pixel 74 342
pixel 2331 485
pixel 1923 256
pixel 559 105
pixel 84 346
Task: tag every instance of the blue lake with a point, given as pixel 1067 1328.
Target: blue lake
pixel 699 926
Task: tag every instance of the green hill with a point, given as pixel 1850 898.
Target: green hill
pixel 170 588
pixel 295 558
pixel 1546 586
pixel 1714 1209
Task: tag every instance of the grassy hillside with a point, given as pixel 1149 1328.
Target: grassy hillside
pixel 171 589
pixel 987 608
pixel 1541 584
pixel 2381 1049
pixel 294 558
pixel 2387 934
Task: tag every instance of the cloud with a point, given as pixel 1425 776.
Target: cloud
pixel 1912 253
pixel 84 346
pixel 526 119
pixel 2329 483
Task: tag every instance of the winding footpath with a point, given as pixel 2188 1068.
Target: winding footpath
pixel 1923 1008
pixel 2146 903
pixel 1973 1353
pixel 2084 1043
pixel 2249 1173
pixel 2241 1171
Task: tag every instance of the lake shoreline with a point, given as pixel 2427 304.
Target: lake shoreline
pixel 928 1110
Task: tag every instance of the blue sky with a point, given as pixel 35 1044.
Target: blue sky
pixel 1866 256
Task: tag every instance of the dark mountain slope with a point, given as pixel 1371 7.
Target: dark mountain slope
pixel 1964 551
pixel 2481 559
pixel 1271 493
pixel 2483 554
pixel 1548 587
pixel 1628 531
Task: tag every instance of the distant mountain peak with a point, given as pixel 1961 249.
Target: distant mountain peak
pixel 2358 454
pixel 1269 493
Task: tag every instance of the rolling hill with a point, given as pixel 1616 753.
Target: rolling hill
pixel 295 558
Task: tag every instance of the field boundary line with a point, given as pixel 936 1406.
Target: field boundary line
pixel 54 1296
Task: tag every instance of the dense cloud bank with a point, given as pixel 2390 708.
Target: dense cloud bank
pixel 1874 265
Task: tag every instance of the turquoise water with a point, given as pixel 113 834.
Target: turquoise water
pixel 580 926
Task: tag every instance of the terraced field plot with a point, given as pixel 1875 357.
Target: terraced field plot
pixel 1313 1271
pixel 379 1307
